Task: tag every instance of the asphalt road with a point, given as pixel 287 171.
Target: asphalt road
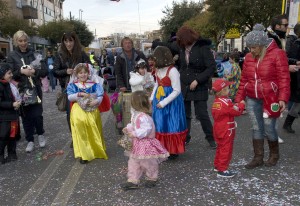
pixel 189 180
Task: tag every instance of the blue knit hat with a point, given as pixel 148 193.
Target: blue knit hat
pixel 258 36
pixel 4 67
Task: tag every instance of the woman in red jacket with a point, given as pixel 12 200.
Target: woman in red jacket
pixel 265 82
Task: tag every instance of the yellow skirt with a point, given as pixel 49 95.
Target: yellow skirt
pixel 88 141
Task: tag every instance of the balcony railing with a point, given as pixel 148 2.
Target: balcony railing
pixel 29 12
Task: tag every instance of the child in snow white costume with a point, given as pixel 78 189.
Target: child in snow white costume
pixel 86 93
pixel 167 104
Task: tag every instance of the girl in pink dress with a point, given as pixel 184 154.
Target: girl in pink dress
pixel 147 152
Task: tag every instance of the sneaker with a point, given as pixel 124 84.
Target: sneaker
pixel 150 183
pixel 42 141
pixel 129 186
pixel 226 174
pixel 30 147
pixel 212 144
pixel 280 141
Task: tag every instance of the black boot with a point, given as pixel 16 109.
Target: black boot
pixel 11 149
pixel 287 126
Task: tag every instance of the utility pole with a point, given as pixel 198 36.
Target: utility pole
pixel 70 16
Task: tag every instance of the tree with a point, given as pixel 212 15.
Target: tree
pixel 11 24
pixel 177 15
pixel 202 25
pixel 84 34
pixel 4 10
pixel 54 30
pixel 244 13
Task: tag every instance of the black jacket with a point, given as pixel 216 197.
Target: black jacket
pixel 121 70
pixel 7 111
pixel 14 59
pixel 60 67
pixel 293 53
pixel 201 68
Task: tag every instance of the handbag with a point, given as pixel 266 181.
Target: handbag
pixel 61 101
pixel 125 142
pixel 62 98
pixel 105 104
pixel 30 96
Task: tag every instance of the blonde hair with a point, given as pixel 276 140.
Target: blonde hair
pixel 262 53
pixel 140 102
pixel 18 35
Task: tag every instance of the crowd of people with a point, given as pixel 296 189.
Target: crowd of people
pixel 163 89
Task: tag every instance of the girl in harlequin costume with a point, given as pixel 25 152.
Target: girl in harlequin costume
pixel 223 112
pixel 86 93
pixel 147 152
pixel 167 104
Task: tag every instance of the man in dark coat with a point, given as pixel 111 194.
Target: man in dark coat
pixel 125 63
pixel 197 67
pixel 293 53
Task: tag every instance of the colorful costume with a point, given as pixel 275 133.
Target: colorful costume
pixel 234 76
pixel 147 152
pixel 170 120
pixel 223 112
pixel 86 125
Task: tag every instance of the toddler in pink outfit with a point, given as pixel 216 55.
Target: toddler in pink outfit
pixel 147 152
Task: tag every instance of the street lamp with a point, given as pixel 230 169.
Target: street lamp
pixel 139 15
pixel 80 14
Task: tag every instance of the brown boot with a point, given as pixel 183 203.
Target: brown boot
pixel 258 147
pixel 274 154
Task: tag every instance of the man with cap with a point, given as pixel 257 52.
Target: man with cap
pixel 223 112
pixel 265 74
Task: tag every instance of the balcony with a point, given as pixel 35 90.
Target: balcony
pixel 29 12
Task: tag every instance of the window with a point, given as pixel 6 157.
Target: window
pixel 19 3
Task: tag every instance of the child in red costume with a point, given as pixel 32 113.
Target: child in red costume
pixel 223 112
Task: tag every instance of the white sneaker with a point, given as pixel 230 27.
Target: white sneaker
pixel 280 141
pixel 30 147
pixel 42 140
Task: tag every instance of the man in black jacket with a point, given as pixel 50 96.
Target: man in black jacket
pixel 125 63
pixel 277 30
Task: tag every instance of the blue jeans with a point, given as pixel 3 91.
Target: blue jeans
pixel 52 79
pixel 260 125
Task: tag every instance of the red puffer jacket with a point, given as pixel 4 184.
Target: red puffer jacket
pixel 266 77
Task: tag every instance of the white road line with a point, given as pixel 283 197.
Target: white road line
pixel 41 182
pixel 69 184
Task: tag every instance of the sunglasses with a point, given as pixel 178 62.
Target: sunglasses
pixel 141 65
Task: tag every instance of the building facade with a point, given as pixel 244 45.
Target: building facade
pixel 37 12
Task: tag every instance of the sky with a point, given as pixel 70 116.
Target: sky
pixel 126 16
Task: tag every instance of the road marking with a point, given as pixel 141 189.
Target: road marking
pixel 70 182
pixel 68 186
pixel 41 182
